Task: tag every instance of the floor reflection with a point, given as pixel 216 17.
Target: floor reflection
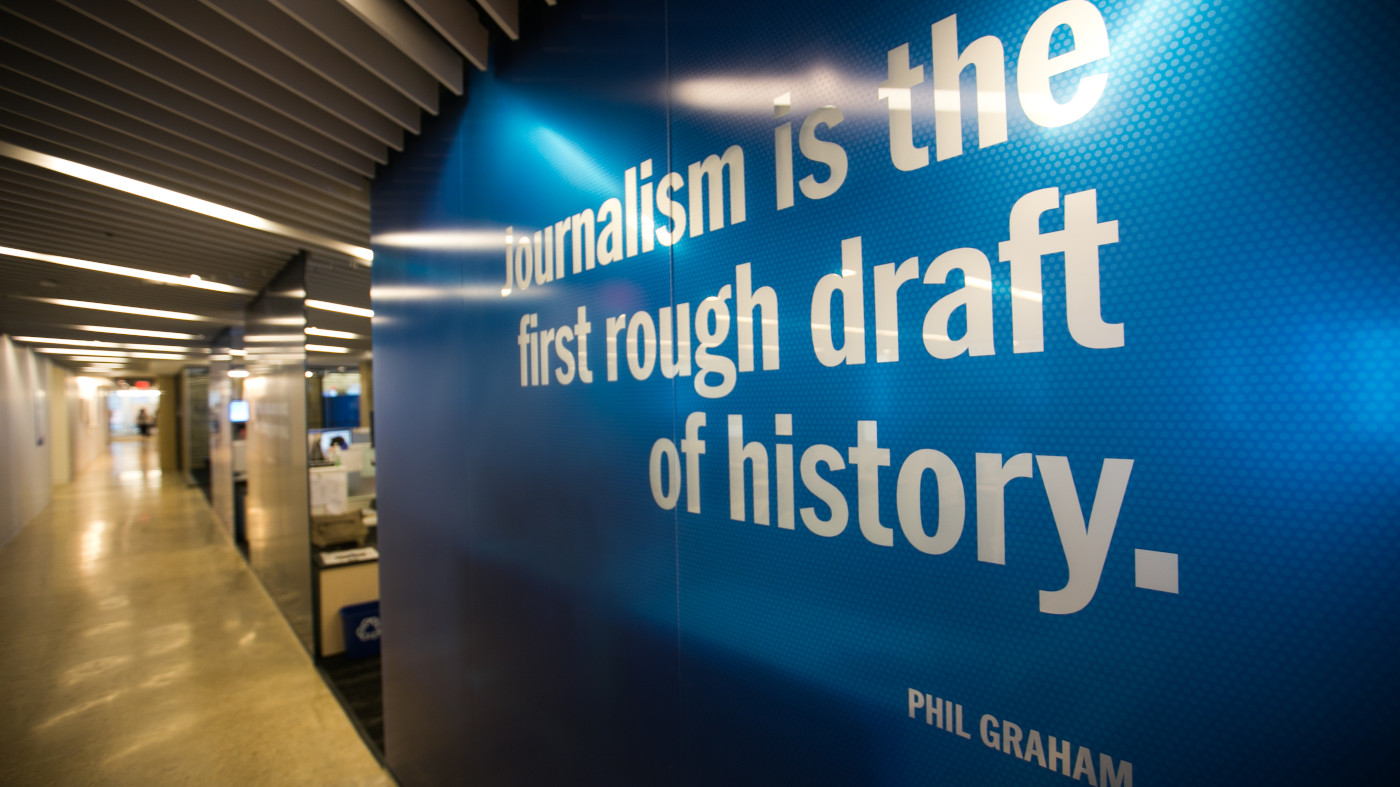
pixel 138 643
pixel 136 462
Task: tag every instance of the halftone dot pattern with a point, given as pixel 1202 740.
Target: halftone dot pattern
pixel 1255 394
pixel 1245 151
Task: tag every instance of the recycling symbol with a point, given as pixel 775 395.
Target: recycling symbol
pixel 368 630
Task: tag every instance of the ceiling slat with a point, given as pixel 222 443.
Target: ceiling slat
pixel 64 233
pixel 213 29
pixel 17 278
pixel 148 261
pixel 459 24
pixel 80 90
pixel 506 13
pixel 274 26
pixel 216 307
pixel 406 31
pixel 82 239
pixel 60 331
pixel 262 102
pixel 38 319
pixel 162 173
pixel 348 33
pixel 269 192
pixel 278 108
pixel 168 53
pixel 248 271
pixel 41 185
pixel 228 157
pixel 329 161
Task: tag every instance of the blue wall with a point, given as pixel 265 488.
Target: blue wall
pixel 342 411
pixel 1179 335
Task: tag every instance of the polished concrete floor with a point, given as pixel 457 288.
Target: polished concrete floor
pixel 137 648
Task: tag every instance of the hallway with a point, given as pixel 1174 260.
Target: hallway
pixel 140 649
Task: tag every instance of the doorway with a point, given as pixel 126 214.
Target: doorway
pixel 132 413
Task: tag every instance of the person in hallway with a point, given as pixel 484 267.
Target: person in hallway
pixel 337 447
pixel 144 422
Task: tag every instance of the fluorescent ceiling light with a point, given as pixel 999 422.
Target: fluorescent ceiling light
pixel 71 351
pixel 326 348
pixel 136 332
pixel 90 358
pixel 108 354
pixel 112 307
pixel 121 270
pixel 336 307
pixel 273 338
pixel 237 372
pixel 113 345
pixel 333 334
pixel 178 200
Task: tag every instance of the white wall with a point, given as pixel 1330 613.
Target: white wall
pixel 60 436
pixel 26 469
pixel 86 400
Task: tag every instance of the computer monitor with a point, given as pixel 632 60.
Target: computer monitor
pixel 324 437
pixel 238 411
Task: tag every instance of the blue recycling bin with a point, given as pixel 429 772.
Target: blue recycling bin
pixel 361 625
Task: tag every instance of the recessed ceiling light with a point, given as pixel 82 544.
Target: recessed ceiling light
pixel 341 308
pixel 178 200
pixel 326 348
pixel 122 270
pixel 112 307
pixel 136 332
pixel 333 334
